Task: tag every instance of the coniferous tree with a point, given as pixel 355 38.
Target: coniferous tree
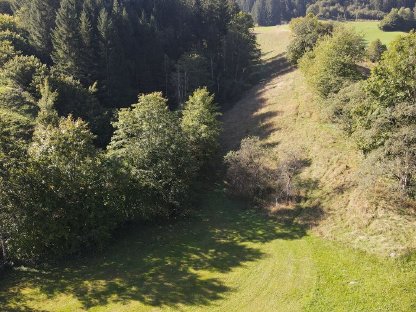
pixel 87 58
pixel 66 40
pixel 106 35
pixel 38 18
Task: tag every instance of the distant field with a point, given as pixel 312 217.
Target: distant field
pixel 271 41
pixel 372 32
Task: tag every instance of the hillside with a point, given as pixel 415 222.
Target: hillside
pixel 227 257
pixel 284 113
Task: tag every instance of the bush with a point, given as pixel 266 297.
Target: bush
pixel 398 20
pixel 247 177
pixel 375 49
pixel 333 62
pixel 306 31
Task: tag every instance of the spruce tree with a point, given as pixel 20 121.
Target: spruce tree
pixel 38 19
pixel 87 58
pixel 66 40
pixel 106 36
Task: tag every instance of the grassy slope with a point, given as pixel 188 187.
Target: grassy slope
pixel 285 114
pixel 225 257
pixel 372 32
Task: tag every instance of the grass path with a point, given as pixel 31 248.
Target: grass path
pixel 226 257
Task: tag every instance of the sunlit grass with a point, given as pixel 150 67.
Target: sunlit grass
pixel 223 258
pixel 371 31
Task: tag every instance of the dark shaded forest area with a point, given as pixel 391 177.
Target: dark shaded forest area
pixel 77 160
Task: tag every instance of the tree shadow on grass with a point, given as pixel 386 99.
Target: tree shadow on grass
pixel 160 265
pixel 245 118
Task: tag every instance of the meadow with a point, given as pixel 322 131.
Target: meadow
pixel 225 257
pixel 371 31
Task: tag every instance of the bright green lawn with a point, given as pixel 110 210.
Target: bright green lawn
pixel 224 258
pixel 372 32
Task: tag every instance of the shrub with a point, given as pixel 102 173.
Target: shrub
pixel 247 177
pixel 306 31
pixel 375 49
pixel 333 62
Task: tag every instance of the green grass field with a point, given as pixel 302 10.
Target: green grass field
pixel 226 257
pixel 223 258
pixel 372 32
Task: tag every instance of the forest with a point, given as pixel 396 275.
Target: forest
pixel 177 155
pixel 74 151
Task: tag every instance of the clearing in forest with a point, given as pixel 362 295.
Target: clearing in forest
pixel 226 256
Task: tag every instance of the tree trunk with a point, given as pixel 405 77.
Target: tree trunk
pixel 3 251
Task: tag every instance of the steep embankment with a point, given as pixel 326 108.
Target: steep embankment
pixel 287 116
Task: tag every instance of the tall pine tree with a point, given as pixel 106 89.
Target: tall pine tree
pixel 66 40
pixel 38 18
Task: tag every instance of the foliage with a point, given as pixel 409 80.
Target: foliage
pixel 273 12
pixel 391 80
pixel 149 142
pixel 267 12
pixel 247 177
pixel 346 10
pixel 402 19
pixel 375 50
pixel 56 200
pixel 192 71
pixel 66 66
pixel 20 79
pixel 129 47
pixel 380 113
pixel 391 85
pixel 201 126
pixel 241 55
pixel 333 61
pixel 306 31
pixel 38 19
pixel 7 52
pixel 5 7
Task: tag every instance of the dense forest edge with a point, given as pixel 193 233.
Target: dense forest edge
pixel 74 151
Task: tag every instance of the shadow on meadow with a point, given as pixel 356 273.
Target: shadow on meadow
pixel 160 265
pixel 246 118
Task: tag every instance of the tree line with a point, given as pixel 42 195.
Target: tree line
pixel 273 12
pixel 116 49
pixel 375 109
pixel 77 161
pixel 402 19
